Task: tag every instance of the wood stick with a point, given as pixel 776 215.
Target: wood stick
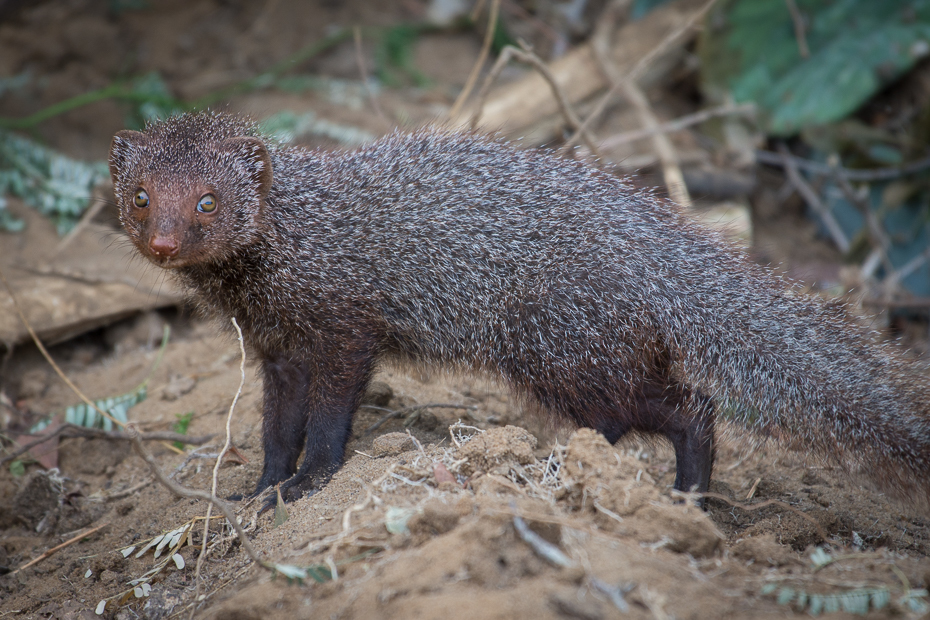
pixel 482 57
pixel 51 551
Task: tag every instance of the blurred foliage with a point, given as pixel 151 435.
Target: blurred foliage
pixel 56 185
pixel 394 55
pixel 750 50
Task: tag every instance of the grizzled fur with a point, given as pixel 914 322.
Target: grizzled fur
pixel 600 302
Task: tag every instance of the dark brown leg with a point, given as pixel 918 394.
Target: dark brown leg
pixel 684 417
pixel 284 417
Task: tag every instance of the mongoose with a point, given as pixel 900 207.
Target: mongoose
pixel 601 303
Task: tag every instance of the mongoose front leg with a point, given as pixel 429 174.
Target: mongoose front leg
pixel 285 409
pixel 332 390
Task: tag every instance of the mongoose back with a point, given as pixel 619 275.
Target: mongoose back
pixel 601 303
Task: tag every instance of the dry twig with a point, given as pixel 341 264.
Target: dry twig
pixel 482 57
pixel 48 358
pixel 769 502
pixel 183 491
pixel 398 413
pixel 679 124
pixel 530 58
pixel 822 169
pixel 219 458
pixel 86 218
pixel 363 72
pixel 799 30
pixel 600 45
pixel 813 201
pixel 51 551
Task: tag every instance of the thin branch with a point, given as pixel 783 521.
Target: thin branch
pixel 183 491
pixel 799 31
pixel 482 57
pixel 219 457
pixel 363 73
pixel 532 59
pixel 821 169
pixel 66 429
pixel 876 235
pixel 679 124
pixel 908 268
pixel 813 200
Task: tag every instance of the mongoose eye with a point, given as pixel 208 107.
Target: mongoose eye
pixel 141 199
pixel 207 203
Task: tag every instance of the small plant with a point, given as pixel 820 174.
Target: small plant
pixel 181 426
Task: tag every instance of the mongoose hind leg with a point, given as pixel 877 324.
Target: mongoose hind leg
pixel 692 435
pixel 684 417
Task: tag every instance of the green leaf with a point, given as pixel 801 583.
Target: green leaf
pixel 181 426
pixel 395 520
pixel 280 510
pixel 82 414
pixel 18 468
pixel 57 186
pixel 857 47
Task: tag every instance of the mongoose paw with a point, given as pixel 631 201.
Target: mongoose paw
pixel 294 488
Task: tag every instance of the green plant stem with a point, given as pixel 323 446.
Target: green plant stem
pixel 123 90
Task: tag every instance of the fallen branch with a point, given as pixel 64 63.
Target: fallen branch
pixel 813 200
pixel 532 59
pixel 183 491
pixel 53 550
pixel 482 57
pixel 683 122
pixel 67 429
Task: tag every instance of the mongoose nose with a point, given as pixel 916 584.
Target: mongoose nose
pixel 165 247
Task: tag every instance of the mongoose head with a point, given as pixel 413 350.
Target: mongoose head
pixel 191 189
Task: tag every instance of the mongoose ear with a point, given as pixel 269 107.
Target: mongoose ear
pixel 252 154
pixel 121 147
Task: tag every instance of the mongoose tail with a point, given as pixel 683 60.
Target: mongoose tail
pixel 813 377
pixel 602 303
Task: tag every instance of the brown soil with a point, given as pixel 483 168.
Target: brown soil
pixel 424 528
